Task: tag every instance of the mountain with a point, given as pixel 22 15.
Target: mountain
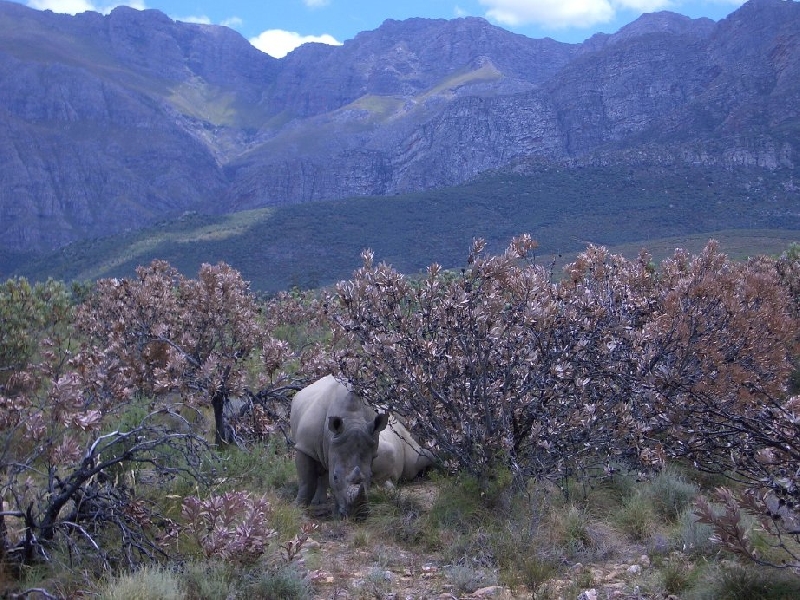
pixel 113 123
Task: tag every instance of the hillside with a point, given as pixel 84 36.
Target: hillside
pixel 113 123
pixel 319 243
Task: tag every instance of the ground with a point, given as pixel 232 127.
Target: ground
pixel 346 560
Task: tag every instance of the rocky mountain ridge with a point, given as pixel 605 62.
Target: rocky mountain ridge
pixel 109 123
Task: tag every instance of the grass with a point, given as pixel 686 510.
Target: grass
pixel 729 581
pixel 148 583
pixel 455 535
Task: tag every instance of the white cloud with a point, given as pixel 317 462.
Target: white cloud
pixel 645 5
pixel 232 22
pixel 564 13
pixel 73 7
pixel 196 19
pixel 278 43
pixel 316 3
pixel 577 13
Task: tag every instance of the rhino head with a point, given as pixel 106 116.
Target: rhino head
pixel 350 463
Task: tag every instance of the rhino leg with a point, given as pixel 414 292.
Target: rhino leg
pixel 308 478
pixel 321 493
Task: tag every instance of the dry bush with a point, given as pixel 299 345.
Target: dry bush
pixel 498 367
pixel 206 340
pixel 93 398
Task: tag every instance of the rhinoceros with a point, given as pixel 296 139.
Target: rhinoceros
pixel 340 441
pixel 335 437
pixel 400 457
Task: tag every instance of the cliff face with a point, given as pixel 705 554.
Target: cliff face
pixel 114 122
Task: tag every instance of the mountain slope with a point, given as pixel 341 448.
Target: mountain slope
pixel 111 123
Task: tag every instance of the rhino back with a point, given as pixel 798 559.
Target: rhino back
pixel 311 407
pixel 400 457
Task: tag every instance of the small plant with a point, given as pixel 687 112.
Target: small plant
pixel 147 583
pixel 233 525
pixel 737 582
pixel 677 575
pixel 695 537
pixel 574 529
pixel 284 583
pixel 208 580
pixel 376 584
pixel 636 518
pixel 670 493
pixel 295 545
pixel 534 570
pixel 467 579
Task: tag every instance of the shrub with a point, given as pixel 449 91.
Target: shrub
pixel 636 517
pixel 284 583
pixel 233 526
pixel 497 367
pixel 468 578
pixel 670 493
pixel 695 537
pixel 677 575
pixel 208 580
pixel 147 583
pixel 736 582
pixel 502 370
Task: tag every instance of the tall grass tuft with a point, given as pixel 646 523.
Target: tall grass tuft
pixel 737 582
pixel 284 583
pixel 670 494
pixel 148 583
pixel 208 580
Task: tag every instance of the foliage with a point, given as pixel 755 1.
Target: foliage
pixel 229 526
pixel 200 339
pixel 69 440
pixel 670 493
pixel 502 370
pixel 30 314
pixel 147 583
pixel 719 355
pixel 493 365
pixel 736 582
pixel 498 367
pixel 209 580
pixel 284 583
pixel 96 396
pixel 166 333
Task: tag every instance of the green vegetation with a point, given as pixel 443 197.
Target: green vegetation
pixel 316 244
pixel 112 488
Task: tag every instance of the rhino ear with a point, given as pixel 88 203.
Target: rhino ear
pixel 336 425
pixel 380 422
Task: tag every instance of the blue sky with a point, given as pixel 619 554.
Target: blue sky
pixel 277 26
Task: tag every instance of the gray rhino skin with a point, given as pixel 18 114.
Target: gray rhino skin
pixel 400 457
pixel 335 437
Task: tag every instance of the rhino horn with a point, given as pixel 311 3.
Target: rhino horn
pixel 356 477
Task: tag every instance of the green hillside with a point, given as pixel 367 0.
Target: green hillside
pixel 315 244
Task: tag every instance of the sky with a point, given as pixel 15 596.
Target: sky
pixel 278 26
